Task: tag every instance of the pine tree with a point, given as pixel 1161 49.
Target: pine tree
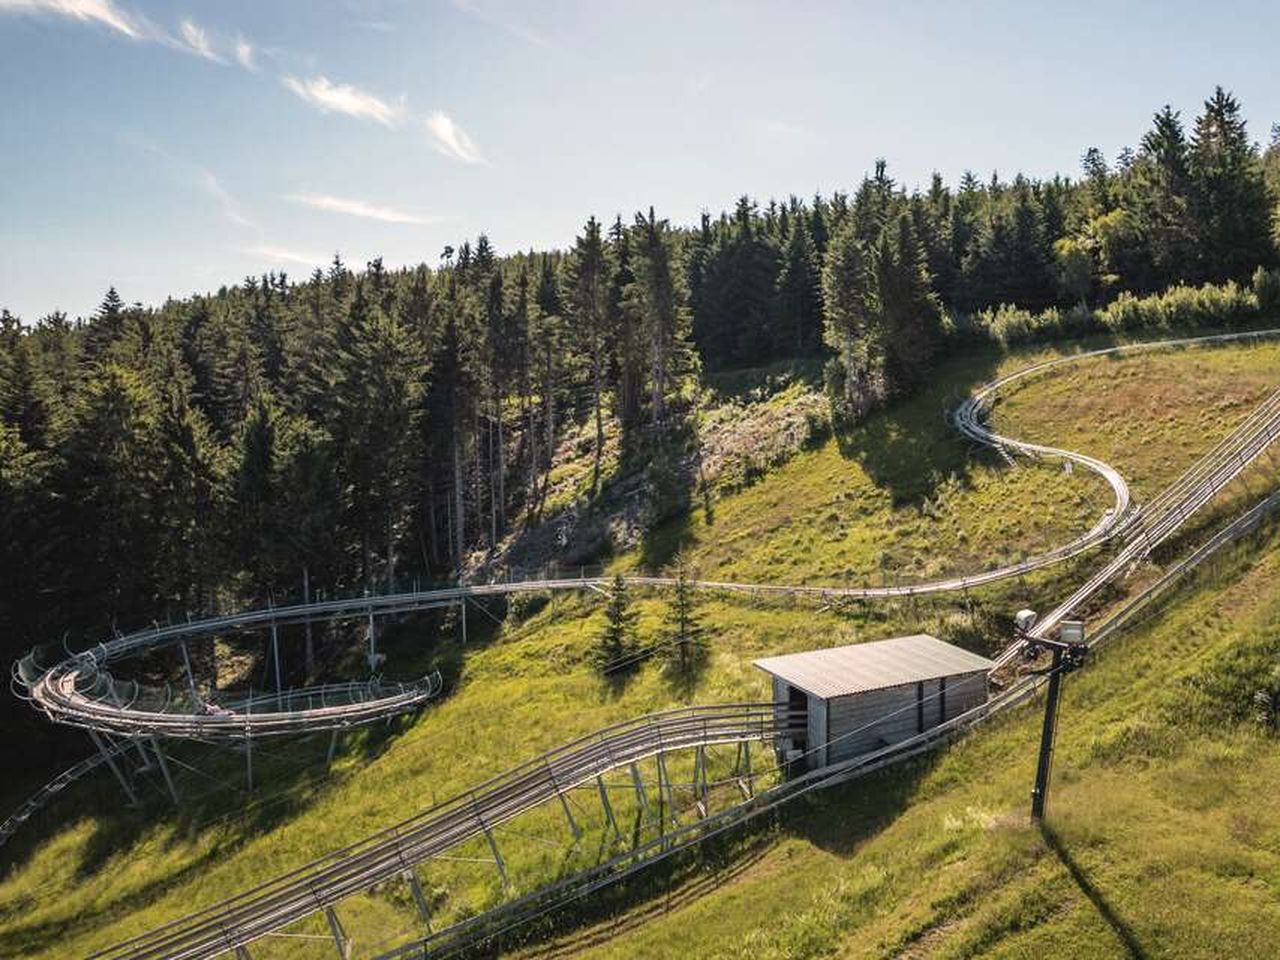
pixel 851 327
pixel 685 647
pixel 105 328
pixel 1231 203
pixel 615 653
pixel 654 300
pixel 799 298
pixel 909 314
pixel 589 309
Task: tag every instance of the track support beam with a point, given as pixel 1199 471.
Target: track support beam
pixel 339 934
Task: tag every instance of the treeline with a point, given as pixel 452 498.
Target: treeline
pixel 354 429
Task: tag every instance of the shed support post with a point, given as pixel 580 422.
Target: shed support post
pixel 608 807
pixel 419 898
pixel 111 762
pixel 164 769
pixel 339 935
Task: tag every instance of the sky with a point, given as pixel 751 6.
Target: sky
pixel 169 148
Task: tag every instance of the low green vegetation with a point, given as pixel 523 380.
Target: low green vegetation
pixel 899 497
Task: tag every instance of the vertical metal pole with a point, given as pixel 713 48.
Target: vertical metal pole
pixel 664 786
pixel 419 898
pixel 493 847
pixel 186 663
pixel 700 777
pixel 373 641
pixel 464 621
pixel 164 768
pixel 1039 794
pixel 333 745
pixel 248 743
pixel 751 785
pixel 339 935
pixel 641 796
pixel 242 953
pixel 608 807
pixel 106 755
pixel 275 656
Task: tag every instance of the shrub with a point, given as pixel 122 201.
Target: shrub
pixel 1266 287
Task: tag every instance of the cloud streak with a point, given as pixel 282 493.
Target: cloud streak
pixel 231 208
pixel 197 41
pixel 329 97
pixel 356 208
pixel 244 55
pixel 275 254
pixel 451 140
pixel 103 12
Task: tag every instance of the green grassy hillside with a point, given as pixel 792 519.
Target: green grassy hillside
pixel 899 498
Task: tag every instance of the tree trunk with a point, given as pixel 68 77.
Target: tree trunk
pixel 597 389
pixel 308 649
pixel 459 518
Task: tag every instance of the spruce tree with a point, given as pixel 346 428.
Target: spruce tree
pixel 589 308
pixel 615 653
pixel 684 636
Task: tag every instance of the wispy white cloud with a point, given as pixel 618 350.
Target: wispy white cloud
pixel 493 14
pixel 244 54
pixel 330 97
pixel 231 207
pixel 104 12
pixel 451 140
pixel 356 208
pixel 275 254
pixel 196 40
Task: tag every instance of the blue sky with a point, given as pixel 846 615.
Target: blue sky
pixel 169 148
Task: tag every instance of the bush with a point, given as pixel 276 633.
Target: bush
pixel 1180 308
pixel 1266 287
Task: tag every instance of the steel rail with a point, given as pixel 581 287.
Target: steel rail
pixel 271 906
pixel 57 690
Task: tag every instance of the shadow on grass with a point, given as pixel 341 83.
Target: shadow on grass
pixel 1117 924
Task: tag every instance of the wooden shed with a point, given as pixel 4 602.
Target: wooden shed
pixel 865 696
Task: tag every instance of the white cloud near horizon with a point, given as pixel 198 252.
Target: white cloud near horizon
pixel 451 140
pixel 491 14
pixel 356 208
pixel 329 97
pixel 278 254
pixel 104 12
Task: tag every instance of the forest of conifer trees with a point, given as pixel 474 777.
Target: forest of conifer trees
pixel 345 431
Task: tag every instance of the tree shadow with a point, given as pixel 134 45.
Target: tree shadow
pixel 1112 919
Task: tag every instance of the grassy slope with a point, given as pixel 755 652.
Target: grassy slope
pixel 899 489
pixel 1165 825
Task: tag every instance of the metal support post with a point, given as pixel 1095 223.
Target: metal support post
pixel 746 754
pixel 464 621
pixel 242 953
pixel 664 786
pixel 333 745
pixel 248 744
pixel 419 898
pixel 564 804
pixel 275 656
pixel 164 769
pixel 608 807
pixel 339 935
pixel 186 663
pixel 111 762
pixel 641 797
pixel 1039 794
pixel 493 847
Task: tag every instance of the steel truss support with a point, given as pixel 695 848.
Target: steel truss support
pixel 700 778
pixel 493 848
pixel 665 793
pixel 186 663
pixel 419 898
pixel 111 762
pixel 333 745
pixel 642 798
pixel 164 769
pixel 564 805
pixel 275 657
pixel 608 807
pixel 339 934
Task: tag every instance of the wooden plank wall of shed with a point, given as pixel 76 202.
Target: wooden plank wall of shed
pixel 882 717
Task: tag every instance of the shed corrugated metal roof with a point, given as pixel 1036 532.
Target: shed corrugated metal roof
pixel 859 667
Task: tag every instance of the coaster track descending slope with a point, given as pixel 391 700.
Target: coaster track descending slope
pixel 270 907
